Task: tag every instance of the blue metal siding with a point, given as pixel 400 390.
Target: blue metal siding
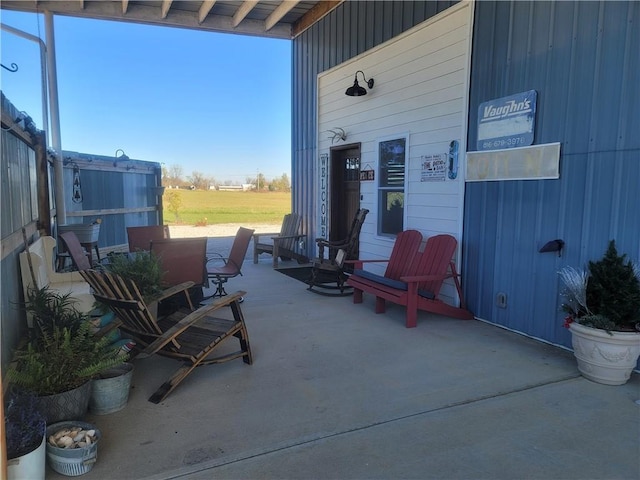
pixel 107 187
pixel 351 29
pixel 583 60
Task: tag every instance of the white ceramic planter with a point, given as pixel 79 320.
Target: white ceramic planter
pixel 602 357
pixel 30 466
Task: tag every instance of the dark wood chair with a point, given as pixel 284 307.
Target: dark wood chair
pixel 79 256
pixel 283 245
pixel 416 280
pixel 232 265
pixel 328 275
pixel 190 336
pixel 140 237
pixel 348 244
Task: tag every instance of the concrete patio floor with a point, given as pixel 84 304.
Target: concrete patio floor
pixel 338 392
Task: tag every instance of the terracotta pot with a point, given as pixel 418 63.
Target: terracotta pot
pixel 602 357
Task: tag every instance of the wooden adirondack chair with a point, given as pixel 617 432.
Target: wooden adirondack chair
pixel 232 264
pixel 186 335
pixel 419 285
pixel 328 275
pixel 140 238
pixel 283 245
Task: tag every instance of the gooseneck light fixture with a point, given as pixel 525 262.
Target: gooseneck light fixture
pixel 356 90
pixel 119 158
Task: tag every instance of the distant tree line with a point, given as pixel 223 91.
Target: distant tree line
pixel 173 176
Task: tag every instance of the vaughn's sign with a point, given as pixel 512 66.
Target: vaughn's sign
pixel 507 122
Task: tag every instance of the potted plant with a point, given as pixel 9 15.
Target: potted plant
pixel 61 357
pixel 603 313
pixel 143 268
pixel 25 428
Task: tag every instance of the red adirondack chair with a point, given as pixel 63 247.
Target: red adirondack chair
pixel 419 285
pixel 404 251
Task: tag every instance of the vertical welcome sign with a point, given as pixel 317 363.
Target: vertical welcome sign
pixel 324 180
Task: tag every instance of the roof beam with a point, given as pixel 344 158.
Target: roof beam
pixel 166 5
pixel 312 16
pixel 205 8
pixel 243 11
pixel 280 11
pixel 148 13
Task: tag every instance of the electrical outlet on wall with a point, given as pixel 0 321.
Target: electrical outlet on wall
pixel 501 300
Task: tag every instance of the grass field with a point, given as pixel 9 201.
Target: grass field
pixel 211 207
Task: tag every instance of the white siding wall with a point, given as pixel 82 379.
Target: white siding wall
pixel 421 85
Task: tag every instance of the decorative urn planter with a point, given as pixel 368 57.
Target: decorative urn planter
pixel 607 358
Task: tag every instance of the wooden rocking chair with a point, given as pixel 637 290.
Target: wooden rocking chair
pixel 329 274
pixel 186 335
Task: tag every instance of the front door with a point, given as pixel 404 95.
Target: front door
pixel 345 189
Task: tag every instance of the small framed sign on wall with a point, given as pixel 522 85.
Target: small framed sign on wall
pixel 367 175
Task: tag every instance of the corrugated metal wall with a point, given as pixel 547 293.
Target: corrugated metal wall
pixel 120 192
pixel 19 210
pixel 347 31
pixel 583 59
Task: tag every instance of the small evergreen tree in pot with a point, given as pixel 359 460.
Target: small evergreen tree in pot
pixel 606 296
pixel 603 307
pixel 613 293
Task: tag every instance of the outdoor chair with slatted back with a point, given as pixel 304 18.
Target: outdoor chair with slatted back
pixel 140 237
pixel 349 244
pixel 419 283
pixel 190 336
pixel 76 251
pixel 399 263
pixel 328 275
pixel 282 245
pixel 232 265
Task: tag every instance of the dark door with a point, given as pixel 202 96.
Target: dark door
pixel 345 189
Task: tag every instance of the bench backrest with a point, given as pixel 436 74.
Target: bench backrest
pixel 434 260
pixel 404 251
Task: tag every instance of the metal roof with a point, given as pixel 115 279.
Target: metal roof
pixel 265 18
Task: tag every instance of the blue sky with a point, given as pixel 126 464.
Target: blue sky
pixel 219 104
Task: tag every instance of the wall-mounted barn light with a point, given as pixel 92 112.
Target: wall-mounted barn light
pixel 356 90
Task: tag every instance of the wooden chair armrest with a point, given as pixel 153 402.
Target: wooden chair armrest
pixel 331 243
pixel 366 261
pixel 189 320
pixel 424 278
pixel 171 291
pixel 285 237
pixel 115 323
pixel 256 236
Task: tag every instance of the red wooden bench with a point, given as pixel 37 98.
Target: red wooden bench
pixel 419 282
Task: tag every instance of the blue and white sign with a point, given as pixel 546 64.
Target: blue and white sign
pixel 507 122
